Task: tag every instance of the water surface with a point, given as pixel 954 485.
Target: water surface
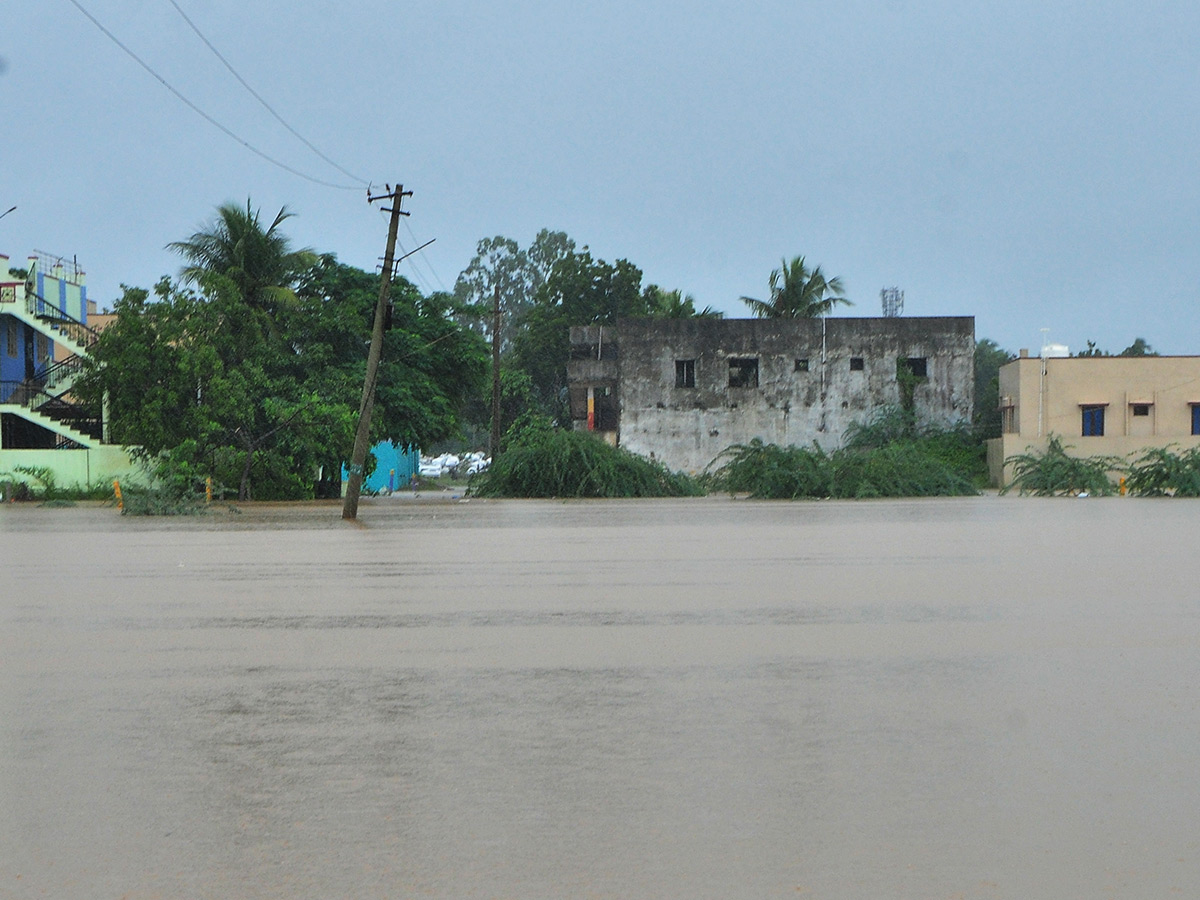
pixel 992 698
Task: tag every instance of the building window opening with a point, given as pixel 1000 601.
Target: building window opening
pixel 856 364
pixel 1008 420
pixel 12 338
pixel 743 372
pixel 1196 418
pixel 1141 409
pixel 1093 421
pixel 917 366
pixel 802 365
pixel 685 373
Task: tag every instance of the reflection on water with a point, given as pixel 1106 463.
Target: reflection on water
pixel 685 699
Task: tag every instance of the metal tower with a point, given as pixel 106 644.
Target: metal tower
pixel 893 301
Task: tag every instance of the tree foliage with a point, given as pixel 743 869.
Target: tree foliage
pixel 989 357
pixel 501 267
pixel 259 261
pixel 1166 472
pixel 663 304
pixel 548 462
pixel 580 290
pixel 895 469
pixel 544 289
pixel 1139 347
pixel 797 292
pixel 222 380
pixel 1054 472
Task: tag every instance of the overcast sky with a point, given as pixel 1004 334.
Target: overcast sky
pixel 1033 164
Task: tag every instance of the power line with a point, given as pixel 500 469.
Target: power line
pixel 196 109
pixel 418 275
pixel 267 106
pixel 425 259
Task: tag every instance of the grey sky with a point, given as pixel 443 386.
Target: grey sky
pixel 1030 163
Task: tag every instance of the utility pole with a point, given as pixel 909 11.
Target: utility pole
pixel 362 437
pixel 495 448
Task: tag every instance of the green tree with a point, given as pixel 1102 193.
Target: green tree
pixel 1139 347
pixel 190 381
pixel 259 261
pixel 989 357
pixel 193 378
pixel 500 265
pixel 798 292
pixel 580 290
pixel 676 305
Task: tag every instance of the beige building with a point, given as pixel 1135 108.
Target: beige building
pixel 1109 405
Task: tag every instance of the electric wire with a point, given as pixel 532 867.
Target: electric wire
pixel 196 109
pixel 425 259
pixel 420 276
pixel 253 93
pixel 411 259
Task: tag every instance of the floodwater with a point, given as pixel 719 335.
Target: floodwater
pixel 970 698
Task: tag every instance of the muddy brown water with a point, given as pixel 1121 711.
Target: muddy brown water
pixel 979 698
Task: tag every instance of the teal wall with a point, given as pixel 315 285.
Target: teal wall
pixel 403 461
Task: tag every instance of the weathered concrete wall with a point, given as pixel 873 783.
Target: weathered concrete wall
pixel 794 402
pixel 593 366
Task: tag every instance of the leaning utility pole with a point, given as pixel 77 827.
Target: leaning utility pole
pixel 362 437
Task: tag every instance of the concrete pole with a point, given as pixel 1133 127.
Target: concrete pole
pixel 366 407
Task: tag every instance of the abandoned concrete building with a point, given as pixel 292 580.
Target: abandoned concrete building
pixel 683 390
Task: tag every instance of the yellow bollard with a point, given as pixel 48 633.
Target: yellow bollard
pixel 208 489
pixel 1121 486
pixel 117 492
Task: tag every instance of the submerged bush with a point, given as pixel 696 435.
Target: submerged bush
pixel 768 471
pixel 553 463
pixel 897 470
pixel 1163 473
pixel 1054 472
pixel 161 500
pixel 960 446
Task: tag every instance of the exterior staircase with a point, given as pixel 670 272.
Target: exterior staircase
pixel 43 402
pixel 56 324
pixel 73 425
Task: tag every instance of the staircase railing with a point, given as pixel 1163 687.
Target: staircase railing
pixel 62 370
pixel 61 319
pixel 32 396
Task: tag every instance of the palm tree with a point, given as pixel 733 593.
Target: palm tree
pixel 677 305
pixel 261 263
pixel 798 293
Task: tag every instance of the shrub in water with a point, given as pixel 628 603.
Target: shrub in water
pixel 768 471
pixel 1163 473
pixel 959 446
pixel 897 470
pixel 1054 472
pixel 549 463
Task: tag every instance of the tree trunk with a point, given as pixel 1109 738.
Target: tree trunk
pixel 244 487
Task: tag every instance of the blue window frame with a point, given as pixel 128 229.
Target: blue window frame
pixel 1196 418
pixel 1093 421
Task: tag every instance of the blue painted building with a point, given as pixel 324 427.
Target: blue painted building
pixel 394 466
pixel 44 338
